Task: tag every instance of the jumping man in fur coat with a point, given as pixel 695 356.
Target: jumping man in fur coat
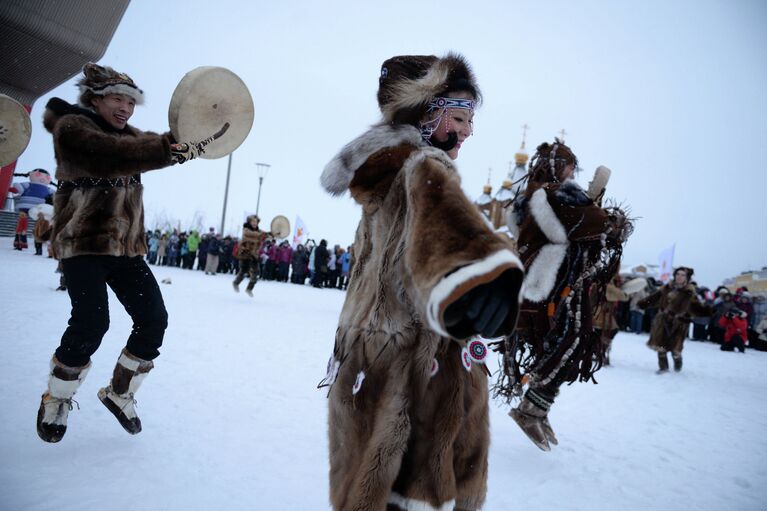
pixel 408 409
pixel 677 304
pixel 571 248
pixel 250 245
pixel 99 239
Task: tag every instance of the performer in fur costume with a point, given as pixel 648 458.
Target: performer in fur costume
pixel 571 248
pixel 250 245
pixel 677 304
pixel 408 397
pixel 98 236
pixel 605 323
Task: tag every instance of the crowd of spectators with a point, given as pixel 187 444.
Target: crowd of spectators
pixel 738 314
pixel 212 253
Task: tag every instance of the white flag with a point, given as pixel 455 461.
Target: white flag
pixel 666 264
pixel 301 232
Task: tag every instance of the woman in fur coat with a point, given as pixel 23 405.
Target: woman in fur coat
pixel 571 248
pixel 99 238
pixel 677 304
pixel 408 399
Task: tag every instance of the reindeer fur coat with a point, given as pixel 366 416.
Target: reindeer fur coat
pixel 676 307
pixel 408 422
pixel 98 207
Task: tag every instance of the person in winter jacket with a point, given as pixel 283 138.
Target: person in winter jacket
pixel 284 257
pixel 345 261
pixel 321 259
pixel 162 251
pixel 743 301
pixel 408 409
pixel 153 246
pixel 735 330
pixel 247 254
pixel 299 264
pixel 677 303
pixel 722 305
pixel 332 275
pixel 42 232
pixel 637 314
pixel 214 252
pixel 22 226
pixel 99 237
pixel 605 322
pixel 202 251
pixel 192 244
pixel 173 249
pixel 571 248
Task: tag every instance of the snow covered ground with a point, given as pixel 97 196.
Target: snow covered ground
pixel 233 421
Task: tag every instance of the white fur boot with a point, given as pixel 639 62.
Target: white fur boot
pixel 118 397
pixel 56 403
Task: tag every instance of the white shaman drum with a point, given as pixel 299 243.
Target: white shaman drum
pixel 280 227
pixel 15 129
pixel 210 101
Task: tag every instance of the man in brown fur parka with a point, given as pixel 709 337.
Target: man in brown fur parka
pixel 677 304
pixel 408 401
pixel 247 254
pixel 98 236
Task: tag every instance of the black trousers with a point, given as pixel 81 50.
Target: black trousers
pixel 134 285
pixel 248 267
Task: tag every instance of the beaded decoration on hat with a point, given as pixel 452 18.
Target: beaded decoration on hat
pixel 102 81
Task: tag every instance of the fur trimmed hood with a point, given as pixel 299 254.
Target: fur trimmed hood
pixel 338 174
pixel 408 83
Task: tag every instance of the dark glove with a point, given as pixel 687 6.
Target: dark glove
pixel 483 310
pixel 185 151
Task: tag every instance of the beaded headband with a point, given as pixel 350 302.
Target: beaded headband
pixel 440 102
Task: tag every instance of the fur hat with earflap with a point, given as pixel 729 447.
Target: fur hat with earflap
pixel 102 81
pixel 686 270
pixel 408 83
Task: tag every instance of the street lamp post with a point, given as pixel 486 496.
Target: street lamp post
pixel 262 169
pixel 226 193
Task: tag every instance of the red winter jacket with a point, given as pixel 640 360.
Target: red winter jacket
pixel 22 225
pixel 736 325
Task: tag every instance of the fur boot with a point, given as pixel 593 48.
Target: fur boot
pixel 532 417
pixel 118 397
pixel 56 403
pixel 662 363
pixel 677 361
pixel 249 289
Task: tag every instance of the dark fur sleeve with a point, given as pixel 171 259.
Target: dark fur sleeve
pixel 698 309
pixel 649 301
pixel 582 219
pixel 110 154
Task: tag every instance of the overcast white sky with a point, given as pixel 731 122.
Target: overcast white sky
pixel 671 95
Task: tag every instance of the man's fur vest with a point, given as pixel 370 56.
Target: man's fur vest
pixel 676 307
pixel 413 433
pixel 98 207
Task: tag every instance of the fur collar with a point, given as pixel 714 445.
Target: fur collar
pixel 58 108
pixel 340 171
pixel 571 194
